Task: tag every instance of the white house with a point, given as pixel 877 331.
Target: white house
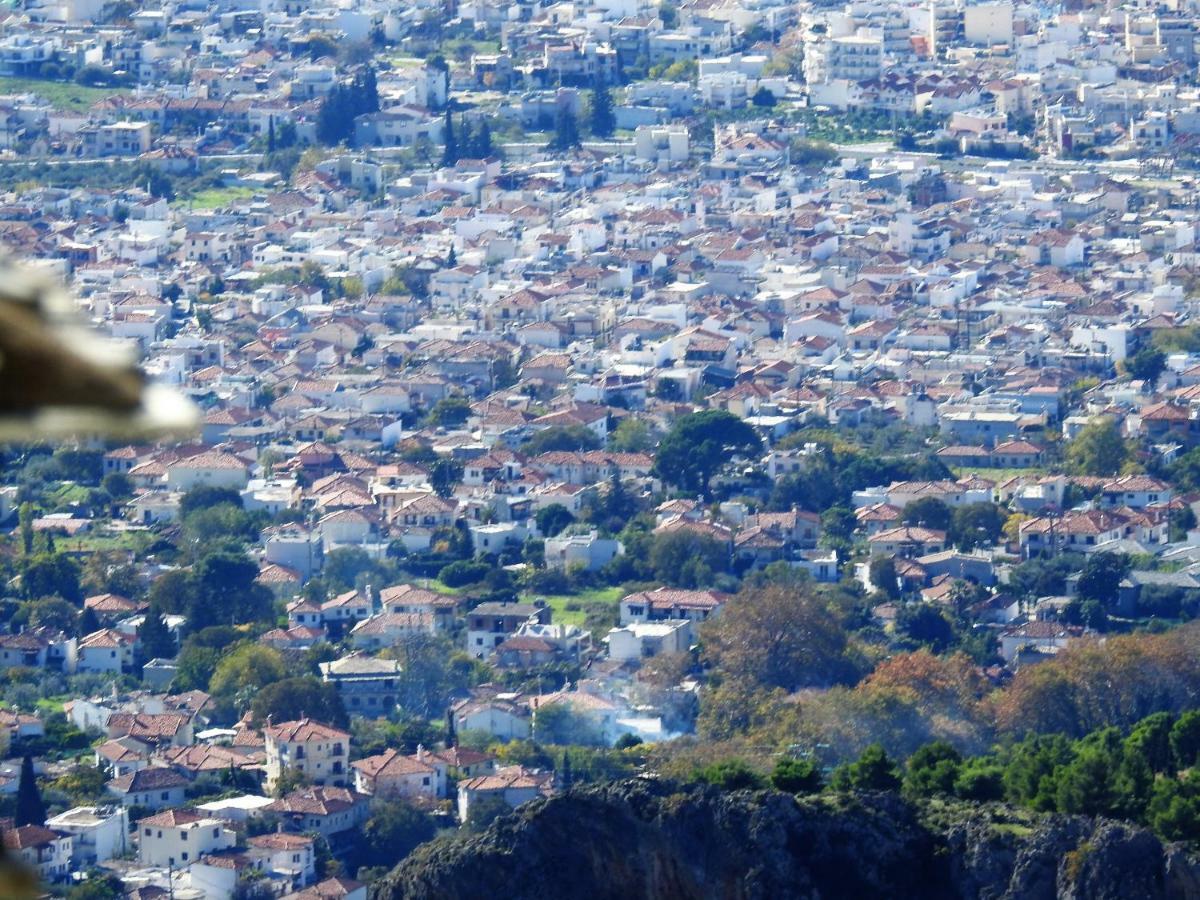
pixel 212 468
pixel 44 851
pixel 98 832
pixel 643 639
pixel 393 774
pixel 176 837
pixel 290 858
pixel 106 650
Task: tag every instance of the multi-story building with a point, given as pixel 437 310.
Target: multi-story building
pixel 42 850
pixel 317 751
pixel 365 684
pixel 489 624
pixel 98 833
pixel 176 837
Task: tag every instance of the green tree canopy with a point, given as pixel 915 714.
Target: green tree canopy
pixel 777 637
pixel 293 698
pixel 1098 449
pixel 552 519
pixel 699 444
pixel 52 575
pixel 1146 365
pixel 1101 577
pixel 872 771
pixel 928 512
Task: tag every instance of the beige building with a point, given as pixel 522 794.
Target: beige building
pixel 320 752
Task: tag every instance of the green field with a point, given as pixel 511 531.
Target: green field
pixel 59 94
pixel 52 704
pixel 562 615
pixel 214 198
pixel 103 539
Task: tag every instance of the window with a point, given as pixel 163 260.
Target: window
pixel 165 795
pixel 216 832
pixel 147 832
pixel 184 856
pixel 183 836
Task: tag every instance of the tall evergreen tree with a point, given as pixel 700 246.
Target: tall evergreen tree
pixel 25 516
pixel 30 808
pixel 271 134
pixel 370 91
pixel 466 140
pixel 89 622
pixel 450 142
pixel 451 259
pixel 604 121
pixel 566 130
pixel 156 639
pixel 565 771
pixel 483 141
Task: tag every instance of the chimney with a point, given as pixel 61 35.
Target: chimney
pixel 420 753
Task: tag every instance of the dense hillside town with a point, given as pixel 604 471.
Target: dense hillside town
pixel 724 390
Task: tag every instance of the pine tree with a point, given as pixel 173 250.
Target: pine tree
pixel 604 121
pixel 450 148
pixel 30 808
pixel 271 134
pixel 451 258
pixel 157 640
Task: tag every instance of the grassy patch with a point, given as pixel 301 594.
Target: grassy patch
pixel 462 49
pixel 67 493
pixel 213 198
pixel 996 475
pixel 52 704
pixel 576 615
pixel 104 539
pixel 60 94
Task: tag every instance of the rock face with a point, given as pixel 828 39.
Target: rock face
pixel 652 839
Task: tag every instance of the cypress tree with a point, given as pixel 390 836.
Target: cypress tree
pixel 271 134
pixel 370 91
pixel 565 771
pixel 483 141
pixel 157 640
pixel 450 149
pixel 566 131
pixel 451 259
pixel 604 121
pixel 88 622
pixel 30 808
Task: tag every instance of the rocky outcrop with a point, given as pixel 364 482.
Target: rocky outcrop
pixel 653 839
